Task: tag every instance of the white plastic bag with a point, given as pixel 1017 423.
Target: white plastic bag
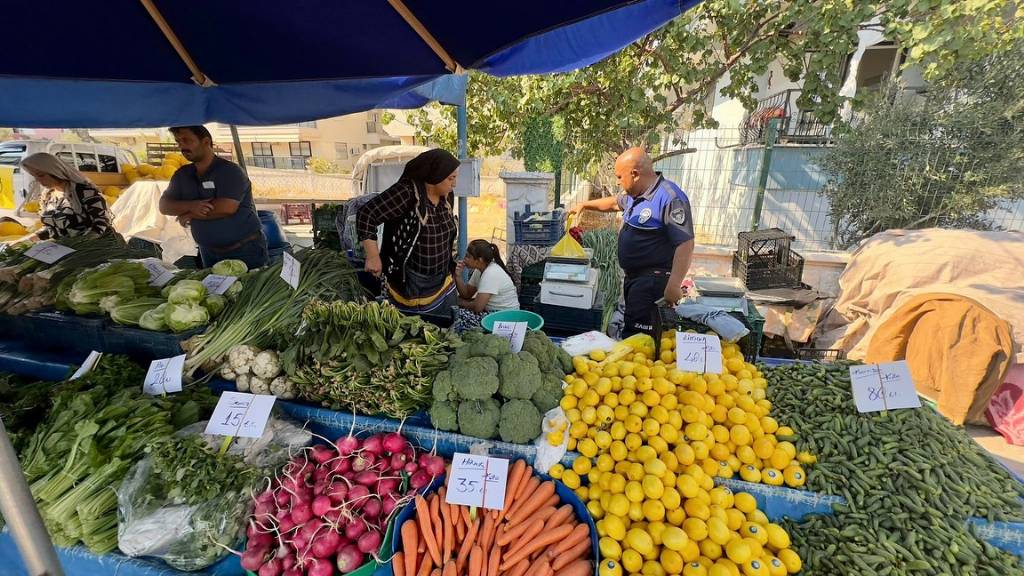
pixel 585 343
pixel 548 455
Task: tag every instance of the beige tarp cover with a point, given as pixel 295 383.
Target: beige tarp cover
pixel 949 301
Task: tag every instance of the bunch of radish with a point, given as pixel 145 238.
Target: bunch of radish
pixel 328 509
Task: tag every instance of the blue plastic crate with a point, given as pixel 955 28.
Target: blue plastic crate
pixel 539 228
pixel 145 345
pixel 53 330
pixel 565 320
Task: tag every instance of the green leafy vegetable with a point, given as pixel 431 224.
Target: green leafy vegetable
pixel 184 317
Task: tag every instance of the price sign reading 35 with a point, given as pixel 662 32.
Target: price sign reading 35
pixel 477 481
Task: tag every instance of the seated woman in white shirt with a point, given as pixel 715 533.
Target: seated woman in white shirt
pixel 489 289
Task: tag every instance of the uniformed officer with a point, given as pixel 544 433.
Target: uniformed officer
pixel 656 239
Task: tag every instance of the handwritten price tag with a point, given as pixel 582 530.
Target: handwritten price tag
pixel 217 284
pixel 241 414
pixel 164 376
pixel 290 270
pixel 885 386
pixel 515 332
pixel 477 481
pixel 698 353
pixel 90 362
pixel 48 252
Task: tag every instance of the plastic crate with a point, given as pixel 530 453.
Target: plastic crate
pixel 764 271
pixel 66 332
pixel 571 321
pixel 539 228
pixel 529 285
pixel 669 321
pixel 145 345
pixel 770 241
pixel 823 355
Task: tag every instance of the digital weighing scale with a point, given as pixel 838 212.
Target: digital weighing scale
pixel 562 269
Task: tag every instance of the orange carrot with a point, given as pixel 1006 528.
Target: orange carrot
pixel 577 568
pixel 448 530
pixel 493 561
pixel 529 486
pixel 484 556
pixel 476 561
pixel 449 569
pixel 467 545
pixel 422 548
pixel 545 540
pixel 544 513
pixel 515 476
pixel 578 534
pixel 435 522
pixel 553 500
pixel 559 517
pixel 511 535
pixel 532 532
pixel 574 553
pixel 410 543
pixel 520 569
pixel 464 512
pixel 427 529
pixel 460 526
pixel 525 485
pixel 398 564
pixel 425 567
pixel 486 532
pixel 532 503
pixel 436 572
pixel 541 567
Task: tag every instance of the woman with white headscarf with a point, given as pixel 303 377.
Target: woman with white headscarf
pixel 71 205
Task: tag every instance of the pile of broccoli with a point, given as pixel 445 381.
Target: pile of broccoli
pixel 487 391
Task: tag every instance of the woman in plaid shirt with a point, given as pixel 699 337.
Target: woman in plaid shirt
pixel 416 258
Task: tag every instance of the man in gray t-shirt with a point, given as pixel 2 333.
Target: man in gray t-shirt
pixel 214 197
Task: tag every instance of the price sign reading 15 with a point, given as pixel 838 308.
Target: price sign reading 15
pixel 241 414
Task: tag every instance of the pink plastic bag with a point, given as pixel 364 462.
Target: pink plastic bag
pixel 1005 410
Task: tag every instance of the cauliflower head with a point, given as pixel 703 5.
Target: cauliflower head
pixel 444 415
pixel 479 418
pixel 241 358
pixel 283 388
pixel 520 422
pixel 266 364
pixel 549 394
pixel 475 378
pixel 520 376
pixel 258 385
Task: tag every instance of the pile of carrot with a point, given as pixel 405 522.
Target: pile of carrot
pixel 533 534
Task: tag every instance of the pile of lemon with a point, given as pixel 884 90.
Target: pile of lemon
pixel 170 164
pixel 651 440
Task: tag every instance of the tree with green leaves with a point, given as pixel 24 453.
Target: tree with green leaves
pixel 660 82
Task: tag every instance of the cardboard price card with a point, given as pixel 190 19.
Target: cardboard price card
pixel 290 270
pixel 241 414
pixel 159 276
pixel 164 376
pixel 514 331
pixel 217 284
pixel 700 353
pixel 477 481
pixel 48 252
pixel 885 386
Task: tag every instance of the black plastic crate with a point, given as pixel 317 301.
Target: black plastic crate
pixel 764 271
pixel 763 243
pixel 823 355
pixel 529 284
pixel 571 321
pixel 669 321
pixel 539 228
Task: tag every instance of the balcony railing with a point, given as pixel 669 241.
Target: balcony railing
pixel 278 162
pixel 797 126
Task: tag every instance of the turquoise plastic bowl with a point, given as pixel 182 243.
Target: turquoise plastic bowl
pixel 533 321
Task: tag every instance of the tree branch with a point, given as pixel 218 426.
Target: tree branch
pixel 672 153
pixel 573 93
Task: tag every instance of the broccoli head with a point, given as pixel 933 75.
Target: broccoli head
pixel 475 378
pixel 443 389
pixel 520 422
pixel 490 346
pixel 565 359
pixel 479 418
pixel 549 394
pixel 540 346
pixel 520 376
pixel 444 416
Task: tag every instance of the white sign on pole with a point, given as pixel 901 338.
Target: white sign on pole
pixel 90 362
pixel 698 353
pixel 290 270
pixel 477 481
pixel 48 252
pixel 164 376
pixel 241 414
pixel 515 332
pixel 886 386
pixel 217 284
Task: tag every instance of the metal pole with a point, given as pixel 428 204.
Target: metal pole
pixel 22 516
pixel 766 164
pixel 462 125
pixel 238 149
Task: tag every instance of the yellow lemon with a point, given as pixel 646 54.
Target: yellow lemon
pixel 758 517
pixel 738 550
pixel 806 458
pixel 556 471
pixel 754 531
pixel 597 355
pixel 710 549
pixel 658 443
pixel 581 465
pixel 634 491
pixel 695 569
pixel 609 548
pixel 778 539
pixel 695 528
pixel 745 454
pixel 791 560
pixel 764 448
pixel 632 561
pixel 719 570
pixel 736 415
pixel 749 473
pixel 618 505
pixel 571 479
pixel 769 424
pixel 776 567
pixel 654 510
pixel 671 561
pixel 645 453
pixel 696 508
pixel 674 538
pixel 755 567
pixel 653 487
pixel 687 486
pixel 639 540
pixel 685 454
pixel 613 525
pixel 718 531
pixel 618 451
pixel 744 502
pixel 609 568
pixel 587 447
pixel 794 476
pixel 633 441
pixel 785 431
pixel 772 477
pixel 734 519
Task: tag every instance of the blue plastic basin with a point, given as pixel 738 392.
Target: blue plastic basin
pixel 533 320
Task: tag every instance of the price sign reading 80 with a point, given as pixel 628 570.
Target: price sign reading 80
pixel 240 414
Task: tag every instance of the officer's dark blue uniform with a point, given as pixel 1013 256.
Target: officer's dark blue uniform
pixel 655 224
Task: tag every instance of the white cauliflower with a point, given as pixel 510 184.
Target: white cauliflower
pixel 259 385
pixel 227 373
pixel 267 365
pixel 241 358
pixel 242 382
pixel 283 388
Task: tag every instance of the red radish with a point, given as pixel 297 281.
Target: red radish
pixel 292 572
pixel 397 462
pixel 357 495
pixel 272 567
pixel 411 467
pixel 321 454
pixel 261 540
pixel 387 486
pixel 374 445
pixel 434 465
pixel 334 517
pixel 267 496
pixel 301 512
pixel 389 505
pixel 341 466
pixel 252 559
pixel 285 524
pixel 369 543
pixel 367 478
pixel 372 508
pixel 421 479
pixel 394 442
pixel 320 488
pixel 349 559
pixel 288 562
pixel 326 544
pixel 321 474
pixel 337 491
pixel 283 498
pixel 363 462
pixel 354 530
pixel 321 505
pixel 347 445
pixel 320 567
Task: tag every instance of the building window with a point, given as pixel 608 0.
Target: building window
pixel 341 151
pixel 108 163
pixel 262 149
pixel 299 149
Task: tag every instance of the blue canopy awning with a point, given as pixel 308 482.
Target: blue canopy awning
pixel 109 64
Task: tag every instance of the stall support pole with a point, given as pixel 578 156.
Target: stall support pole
pixel 19 509
pixel 237 144
pixel 463 133
pixel 771 134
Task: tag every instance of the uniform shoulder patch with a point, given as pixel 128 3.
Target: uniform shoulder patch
pixel 677 212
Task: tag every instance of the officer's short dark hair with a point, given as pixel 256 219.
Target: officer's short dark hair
pixel 200 131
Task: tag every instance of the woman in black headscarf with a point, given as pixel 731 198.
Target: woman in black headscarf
pixel 416 258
